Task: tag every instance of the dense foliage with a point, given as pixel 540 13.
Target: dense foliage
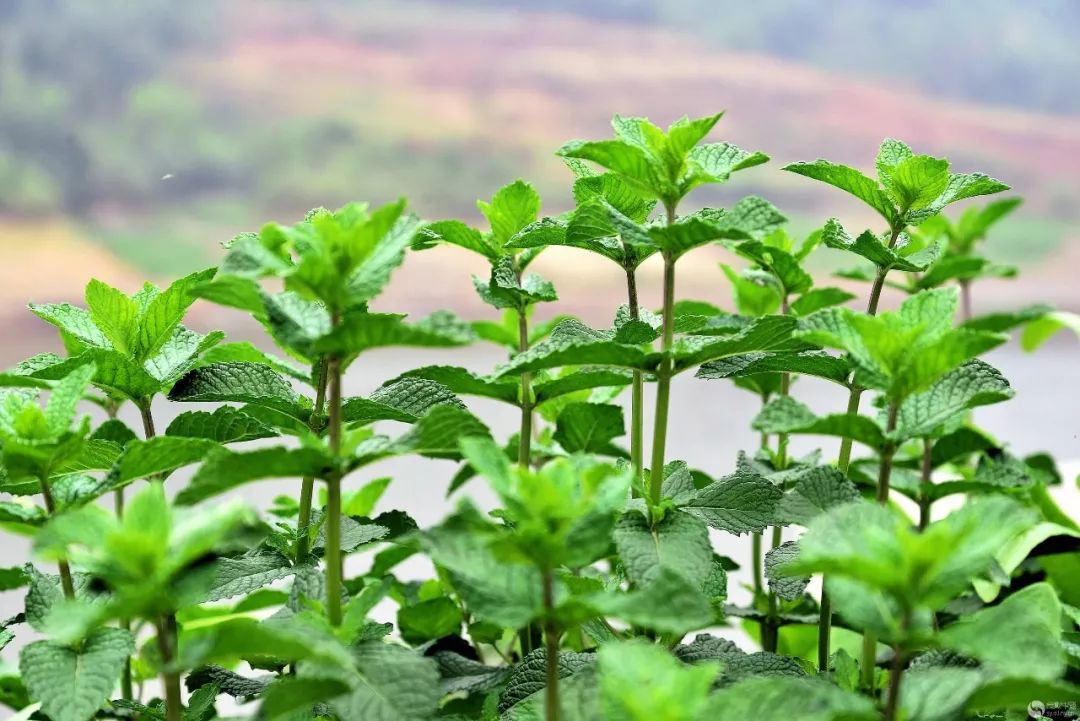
pixel 596 588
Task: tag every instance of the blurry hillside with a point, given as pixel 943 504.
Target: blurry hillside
pixel 135 136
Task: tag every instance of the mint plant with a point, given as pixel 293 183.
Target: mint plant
pixel 599 584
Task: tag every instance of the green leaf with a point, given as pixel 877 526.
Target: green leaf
pixel 529 676
pixel 363 331
pixel 429 620
pixel 295 322
pixel 1041 330
pixel 574 344
pixel 679 543
pixel 159 320
pixel 973 384
pixel 506 288
pixel 464 675
pixel 816 490
pixel 804 699
pixel 590 428
pixel 241 575
pixel 145 458
pixel 631 163
pixel 223 470
pixel 113 372
pixel 436 435
pixel 850 180
pixel 787 586
pixel 74 321
pixel 662 687
pixel 768 333
pixel 457 233
pixel 72 685
pixel 715 162
pixel 1021 636
pixel 787 415
pixel 404 399
pixel 65 397
pixel 224 425
pixel 669 603
pixel 915 181
pixel 239 383
pixel 807 363
pixel 743 502
pixel 506 594
pixel 817 298
pixel 465 382
pixel 756 292
pixel 937 694
pixel 781 264
pixel 874 249
pixel 114 313
pixel 512 208
pixel 579 379
pixel 904 351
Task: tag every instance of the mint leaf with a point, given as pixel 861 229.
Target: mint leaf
pixel 679 543
pixel 363 331
pixel 1019 637
pixel 805 699
pixel 250 572
pixel 512 208
pixel 72 685
pixel 114 313
pixel 165 311
pixel 973 384
pixel 787 415
pixel 239 382
pixel 808 363
pixel 528 677
pixel 224 425
pixel 850 180
pixel 223 470
pixel 457 233
pixel 404 399
pixel 74 321
pixel 875 250
pixel 743 502
pixel 815 491
pixel 784 584
pixel 589 428
pixel 465 382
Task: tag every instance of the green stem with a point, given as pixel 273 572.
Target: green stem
pixel 755 554
pixel 637 400
pixel 892 699
pixel 924 484
pixel 844 462
pixel 965 300
pixel 551 651
pixel 307 484
pixel 50 508
pixel 884 473
pixel 824 629
pixel 112 408
pixel 333 560
pixel 525 432
pixel 663 382
pixel 170 677
pixel 770 630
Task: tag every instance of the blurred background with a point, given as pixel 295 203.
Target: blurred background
pixel 135 137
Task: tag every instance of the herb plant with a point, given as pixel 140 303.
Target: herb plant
pixel 576 596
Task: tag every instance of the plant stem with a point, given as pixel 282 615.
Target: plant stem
pixel 637 400
pixel 844 463
pixel 884 472
pixel 551 651
pixel 770 630
pixel 111 410
pixel 924 483
pixel 887 453
pixel 663 383
pixel 892 700
pixel 170 677
pixel 307 484
pixel 755 553
pixel 525 433
pixel 965 300
pixel 50 508
pixel 334 569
